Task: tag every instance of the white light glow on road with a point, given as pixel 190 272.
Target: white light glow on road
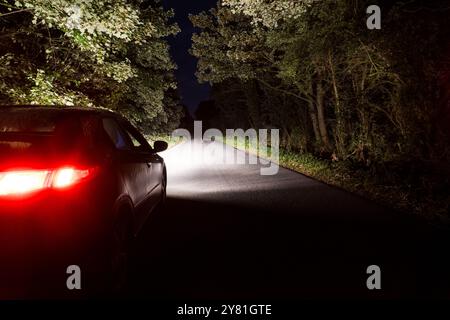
pixel 203 172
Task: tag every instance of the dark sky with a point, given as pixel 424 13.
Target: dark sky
pixel 191 91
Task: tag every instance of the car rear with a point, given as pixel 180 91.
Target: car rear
pixel 56 193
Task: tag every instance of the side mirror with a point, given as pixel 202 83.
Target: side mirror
pixel 160 146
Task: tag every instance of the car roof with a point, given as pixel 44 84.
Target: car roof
pixel 59 109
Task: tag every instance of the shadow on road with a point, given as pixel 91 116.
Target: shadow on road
pixel 195 249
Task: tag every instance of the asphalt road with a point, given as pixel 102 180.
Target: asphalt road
pixel 228 232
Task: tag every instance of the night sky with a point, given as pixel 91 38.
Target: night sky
pixel 191 91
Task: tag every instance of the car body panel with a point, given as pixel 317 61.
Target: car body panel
pixel 70 226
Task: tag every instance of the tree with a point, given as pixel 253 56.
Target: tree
pixel 325 80
pixel 109 53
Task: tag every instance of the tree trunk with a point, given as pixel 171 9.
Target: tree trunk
pixel 320 95
pixel 313 115
pixel 253 103
pixel 340 130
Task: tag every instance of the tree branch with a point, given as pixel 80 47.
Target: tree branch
pixel 283 90
pixel 14 12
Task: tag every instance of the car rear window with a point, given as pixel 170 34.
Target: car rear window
pixel 28 121
pixel 51 135
pixel 24 144
pixel 45 133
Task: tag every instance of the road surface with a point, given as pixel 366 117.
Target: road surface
pixel 227 232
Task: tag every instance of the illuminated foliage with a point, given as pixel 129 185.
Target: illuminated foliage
pixel 269 13
pixel 109 53
pixel 336 89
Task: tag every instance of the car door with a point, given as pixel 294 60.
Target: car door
pixel 132 167
pixel 154 169
pixel 154 162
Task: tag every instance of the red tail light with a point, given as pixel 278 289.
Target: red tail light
pixel 65 177
pixel 20 182
pixel 26 181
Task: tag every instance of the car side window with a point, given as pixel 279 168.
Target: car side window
pixel 116 134
pixel 138 141
pixel 134 140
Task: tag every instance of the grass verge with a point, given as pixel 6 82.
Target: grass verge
pixel 427 199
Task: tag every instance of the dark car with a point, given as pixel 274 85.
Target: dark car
pixel 76 186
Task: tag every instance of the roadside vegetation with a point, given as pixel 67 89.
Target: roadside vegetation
pixel 408 198
pixel 367 110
